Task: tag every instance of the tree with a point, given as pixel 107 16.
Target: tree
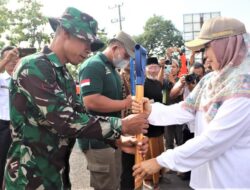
pixel 27 24
pixel 4 17
pixel 158 35
pixel 102 35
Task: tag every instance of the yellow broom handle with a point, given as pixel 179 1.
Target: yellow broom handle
pixel 138 157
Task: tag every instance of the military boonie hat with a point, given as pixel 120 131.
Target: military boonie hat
pixel 80 25
pixel 216 28
pixel 127 41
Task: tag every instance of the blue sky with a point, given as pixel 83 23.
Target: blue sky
pixel 136 12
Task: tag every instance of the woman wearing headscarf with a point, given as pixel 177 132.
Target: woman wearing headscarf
pixel 218 156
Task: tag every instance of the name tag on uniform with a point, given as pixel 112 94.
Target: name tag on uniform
pixel 2 86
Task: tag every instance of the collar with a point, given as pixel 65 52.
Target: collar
pixel 105 59
pixel 52 57
pixel 5 75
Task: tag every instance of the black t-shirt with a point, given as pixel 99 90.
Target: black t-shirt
pixel 153 90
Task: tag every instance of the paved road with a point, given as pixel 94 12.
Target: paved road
pixel 80 176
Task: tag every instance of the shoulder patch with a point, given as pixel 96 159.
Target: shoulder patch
pixel 85 82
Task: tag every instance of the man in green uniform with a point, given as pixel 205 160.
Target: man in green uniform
pixel 45 112
pixel 101 90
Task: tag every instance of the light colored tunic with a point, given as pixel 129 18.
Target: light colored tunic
pixel 4 96
pixel 219 155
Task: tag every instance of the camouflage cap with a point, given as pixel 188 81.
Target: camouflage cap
pixel 80 25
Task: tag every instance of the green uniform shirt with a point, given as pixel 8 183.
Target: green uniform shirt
pixel 45 115
pixel 98 76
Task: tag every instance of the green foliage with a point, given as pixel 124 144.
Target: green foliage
pixel 158 35
pixel 102 35
pixel 2 44
pixel 4 16
pixel 73 70
pixel 26 23
pixel 29 23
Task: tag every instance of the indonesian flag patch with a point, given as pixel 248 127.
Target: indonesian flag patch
pixel 85 82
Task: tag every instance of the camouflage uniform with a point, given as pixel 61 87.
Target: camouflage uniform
pixel 46 116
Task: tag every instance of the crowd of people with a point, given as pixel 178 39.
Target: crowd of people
pixel 197 125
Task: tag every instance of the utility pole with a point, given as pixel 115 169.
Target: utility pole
pixel 120 18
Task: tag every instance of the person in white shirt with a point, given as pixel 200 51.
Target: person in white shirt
pixel 219 154
pixel 9 57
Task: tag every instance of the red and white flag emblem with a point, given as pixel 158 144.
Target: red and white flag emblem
pixel 85 82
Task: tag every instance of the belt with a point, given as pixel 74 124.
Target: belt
pixel 4 122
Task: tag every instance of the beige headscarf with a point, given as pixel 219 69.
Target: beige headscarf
pixel 231 81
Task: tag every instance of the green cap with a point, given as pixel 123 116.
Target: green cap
pixel 80 25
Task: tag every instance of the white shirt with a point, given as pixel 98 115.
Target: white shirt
pixel 219 155
pixel 4 96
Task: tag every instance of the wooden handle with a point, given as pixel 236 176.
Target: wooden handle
pixel 138 157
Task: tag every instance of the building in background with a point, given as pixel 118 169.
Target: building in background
pixel 192 24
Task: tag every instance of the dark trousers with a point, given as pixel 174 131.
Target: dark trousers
pixel 65 175
pixel 173 132
pixel 127 179
pixel 5 141
pixel 187 134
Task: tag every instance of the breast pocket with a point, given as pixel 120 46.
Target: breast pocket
pixel 4 91
pixel 4 96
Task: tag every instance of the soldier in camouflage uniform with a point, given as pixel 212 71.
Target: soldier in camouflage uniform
pixel 45 112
